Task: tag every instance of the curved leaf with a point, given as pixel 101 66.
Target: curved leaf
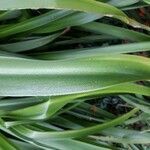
pixel 25 77
pixel 91 6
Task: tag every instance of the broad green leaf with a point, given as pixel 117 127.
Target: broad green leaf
pixel 26 77
pixel 89 52
pixel 91 6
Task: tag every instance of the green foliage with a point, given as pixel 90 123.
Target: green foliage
pixel 57 57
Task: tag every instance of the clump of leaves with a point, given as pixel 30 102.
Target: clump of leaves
pixel 74 75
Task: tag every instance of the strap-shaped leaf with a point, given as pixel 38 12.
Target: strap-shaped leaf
pixel 98 51
pixel 25 77
pixel 71 133
pixel 48 108
pixel 91 6
pixel 6 144
pixel 28 44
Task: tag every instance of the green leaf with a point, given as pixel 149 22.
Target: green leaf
pixel 47 109
pixel 91 6
pixel 147 1
pixel 72 133
pixel 28 44
pixel 26 77
pixel 33 23
pixel 74 19
pixel 133 101
pixel 119 135
pixel 6 144
pixel 98 51
pixel 118 32
pixel 10 15
pixel 119 3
